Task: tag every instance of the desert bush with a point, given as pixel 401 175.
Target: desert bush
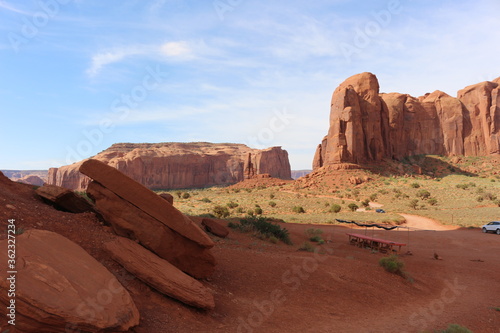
pixel 365 203
pixel 392 264
pixel 455 328
pixel 271 196
pixel 186 195
pixel 236 190
pixel 314 234
pixel 265 228
pixel 353 207
pixel 497 202
pixel 298 209
pixel 373 197
pixel 415 185
pixel 239 210
pixel 207 200
pixel 306 246
pixel 480 198
pixel 179 194
pixel 413 203
pixel 272 203
pixel 423 194
pixel 250 212
pixel 220 211
pixel 232 204
pixel 335 208
pixel 432 201
pixel 258 211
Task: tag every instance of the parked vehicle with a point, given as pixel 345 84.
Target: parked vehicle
pixel 379 210
pixel 492 226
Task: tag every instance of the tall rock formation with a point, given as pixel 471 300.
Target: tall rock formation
pixel 367 126
pixel 181 165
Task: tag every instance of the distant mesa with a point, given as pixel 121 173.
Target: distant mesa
pixel 367 126
pixel 175 165
pixel 33 177
pixel 300 173
pixel 32 180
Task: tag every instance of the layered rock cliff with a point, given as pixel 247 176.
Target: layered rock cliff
pixel 181 165
pixel 368 126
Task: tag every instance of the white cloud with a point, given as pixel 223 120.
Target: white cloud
pixel 100 60
pixel 176 49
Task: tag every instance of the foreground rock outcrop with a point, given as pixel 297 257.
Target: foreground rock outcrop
pixel 64 199
pixel 181 165
pixel 159 273
pixel 138 213
pixel 367 126
pixel 59 287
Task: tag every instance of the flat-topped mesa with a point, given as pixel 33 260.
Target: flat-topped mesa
pixel 366 126
pixel 174 165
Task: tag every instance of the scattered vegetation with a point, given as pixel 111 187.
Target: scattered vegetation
pixel 263 227
pixel 353 207
pixel 423 194
pixel 207 200
pixel 335 208
pixel 232 204
pixel 221 211
pixel 415 185
pixel 314 235
pixel 455 328
pixel 186 195
pixel 298 209
pixel 392 264
pixel 306 246
pixel 272 203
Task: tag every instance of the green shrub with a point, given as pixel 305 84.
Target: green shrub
pixel 220 211
pixel 264 228
pixel 373 197
pixel 415 185
pixel 239 210
pixel 250 212
pixel 365 203
pixel 207 200
pixel 432 201
pixel 392 264
pixel 423 194
pixel 271 196
pixel 186 195
pixel 353 207
pixel 179 194
pixel 335 208
pixel 306 246
pixel 413 203
pixel 232 204
pixel 455 328
pixel 298 209
pixel 272 203
pixel 258 211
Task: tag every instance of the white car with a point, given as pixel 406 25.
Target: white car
pixel 492 226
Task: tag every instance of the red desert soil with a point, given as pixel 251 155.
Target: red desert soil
pixel 263 287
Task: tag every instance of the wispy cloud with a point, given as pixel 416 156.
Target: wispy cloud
pixel 102 59
pixel 176 50
pixel 11 8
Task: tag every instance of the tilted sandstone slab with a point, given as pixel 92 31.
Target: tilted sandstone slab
pixel 175 165
pixel 215 228
pixel 64 199
pixel 60 287
pixel 145 199
pixel 159 274
pixel 129 221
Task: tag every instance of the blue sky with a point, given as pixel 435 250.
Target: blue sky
pixel 77 76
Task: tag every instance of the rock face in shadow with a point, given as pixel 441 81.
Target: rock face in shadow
pixel 181 165
pixel 367 126
pixel 61 288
